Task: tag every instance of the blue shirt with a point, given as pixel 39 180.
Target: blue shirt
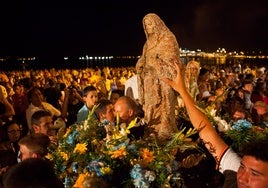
pixel 82 114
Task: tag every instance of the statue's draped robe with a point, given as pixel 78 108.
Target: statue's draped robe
pixel 160 53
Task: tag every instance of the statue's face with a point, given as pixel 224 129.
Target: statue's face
pixel 149 26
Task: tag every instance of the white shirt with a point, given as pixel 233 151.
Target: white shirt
pixel 132 83
pixel 229 161
pixel 45 106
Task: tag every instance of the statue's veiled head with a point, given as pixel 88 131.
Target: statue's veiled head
pixel 153 24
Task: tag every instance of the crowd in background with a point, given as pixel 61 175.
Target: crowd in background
pixel 238 91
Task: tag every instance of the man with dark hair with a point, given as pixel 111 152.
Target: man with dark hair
pixel 257 149
pixel 105 114
pixel 35 173
pixel 34 146
pixel 42 123
pixel 105 111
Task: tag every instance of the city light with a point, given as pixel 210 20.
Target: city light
pixel 184 53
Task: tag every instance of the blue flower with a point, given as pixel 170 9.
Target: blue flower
pixel 95 166
pixel 139 180
pixel 71 137
pixel 241 124
pixel 136 172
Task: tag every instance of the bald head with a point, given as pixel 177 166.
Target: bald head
pixel 126 109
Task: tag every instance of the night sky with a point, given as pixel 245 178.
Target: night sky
pixel 115 27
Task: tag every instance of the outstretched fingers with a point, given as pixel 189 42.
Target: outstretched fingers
pixel 178 81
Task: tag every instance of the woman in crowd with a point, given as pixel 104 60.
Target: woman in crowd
pixel 9 146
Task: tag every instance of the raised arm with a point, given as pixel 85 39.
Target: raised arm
pixel 207 133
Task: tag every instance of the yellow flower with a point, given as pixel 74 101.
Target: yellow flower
pixel 117 135
pixel 132 123
pixel 80 180
pixel 80 148
pixel 120 153
pixel 146 155
pixel 49 156
pixel 64 156
pixel 106 170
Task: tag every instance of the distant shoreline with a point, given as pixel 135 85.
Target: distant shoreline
pixel 124 61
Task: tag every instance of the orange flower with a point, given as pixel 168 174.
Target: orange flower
pixel 120 153
pixel 80 180
pixel 146 155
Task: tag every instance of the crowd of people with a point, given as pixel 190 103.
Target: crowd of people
pixel 37 106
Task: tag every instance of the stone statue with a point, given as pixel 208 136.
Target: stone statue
pixel 160 53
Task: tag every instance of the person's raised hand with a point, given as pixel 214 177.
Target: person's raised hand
pixel 178 83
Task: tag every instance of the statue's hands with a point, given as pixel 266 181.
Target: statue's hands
pixel 178 83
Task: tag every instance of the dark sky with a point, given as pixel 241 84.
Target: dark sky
pixel 115 27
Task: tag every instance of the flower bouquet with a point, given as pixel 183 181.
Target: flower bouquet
pixel 88 154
